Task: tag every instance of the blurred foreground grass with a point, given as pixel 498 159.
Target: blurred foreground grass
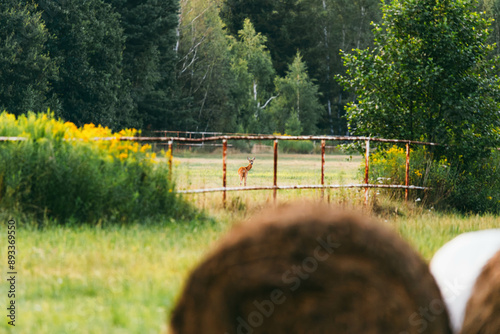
pixel 125 279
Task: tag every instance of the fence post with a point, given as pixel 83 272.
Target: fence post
pixel 224 153
pixel 323 168
pixel 170 152
pixel 367 164
pixel 275 178
pixel 407 170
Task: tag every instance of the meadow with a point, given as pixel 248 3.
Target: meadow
pixel 125 279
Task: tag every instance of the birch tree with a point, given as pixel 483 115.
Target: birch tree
pixel 204 70
pixel 255 74
pixel 319 29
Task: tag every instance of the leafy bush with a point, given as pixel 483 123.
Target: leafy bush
pixel 244 146
pixel 476 189
pixel 59 172
pixel 296 146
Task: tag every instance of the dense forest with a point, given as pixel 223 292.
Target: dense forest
pixel 253 66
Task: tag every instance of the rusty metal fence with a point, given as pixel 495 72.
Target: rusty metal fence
pixel 224 189
pixel 366 185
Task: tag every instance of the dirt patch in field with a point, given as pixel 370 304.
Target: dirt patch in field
pixel 311 269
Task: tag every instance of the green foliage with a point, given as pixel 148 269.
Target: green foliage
pixel 88 45
pixel 491 8
pixel 244 146
pixel 252 50
pixel 61 174
pixel 427 78
pixel 231 80
pixel 25 64
pixel 150 59
pixel 318 29
pixel 330 26
pixel 252 65
pixel 297 106
pixel 108 62
pixel 277 20
pixel 431 77
pixel 176 65
pixel 296 146
pixel 205 72
pixel 293 126
pixel 476 189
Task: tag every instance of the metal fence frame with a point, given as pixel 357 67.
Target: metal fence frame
pixel 366 185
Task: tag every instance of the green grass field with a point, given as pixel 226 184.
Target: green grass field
pixel 126 279
pixel 195 171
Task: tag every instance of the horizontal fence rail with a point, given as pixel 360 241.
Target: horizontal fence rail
pixel 313 186
pixel 266 137
pixel 224 138
pixel 256 137
pixel 13 138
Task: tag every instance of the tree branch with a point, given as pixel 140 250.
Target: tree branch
pixel 265 104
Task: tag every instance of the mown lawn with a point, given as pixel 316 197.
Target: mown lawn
pixel 126 279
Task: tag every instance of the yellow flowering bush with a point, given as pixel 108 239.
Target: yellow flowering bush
pixel 388 166
pixel 61 171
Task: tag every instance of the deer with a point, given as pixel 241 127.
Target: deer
pixel 243 171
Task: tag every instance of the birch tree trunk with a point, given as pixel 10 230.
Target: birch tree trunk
pixel 327 49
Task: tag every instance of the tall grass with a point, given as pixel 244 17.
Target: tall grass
pixel 125 279
pixel 195 171
pixel 117 279
pixel 114 278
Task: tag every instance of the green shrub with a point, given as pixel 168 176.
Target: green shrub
pixel 59 172
pixel 475 188
pixel 296 146
pixel 244 146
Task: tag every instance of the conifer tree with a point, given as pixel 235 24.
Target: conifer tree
pixel 150 58
pixel 25 64
pixel 88 46
pixel 298 99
